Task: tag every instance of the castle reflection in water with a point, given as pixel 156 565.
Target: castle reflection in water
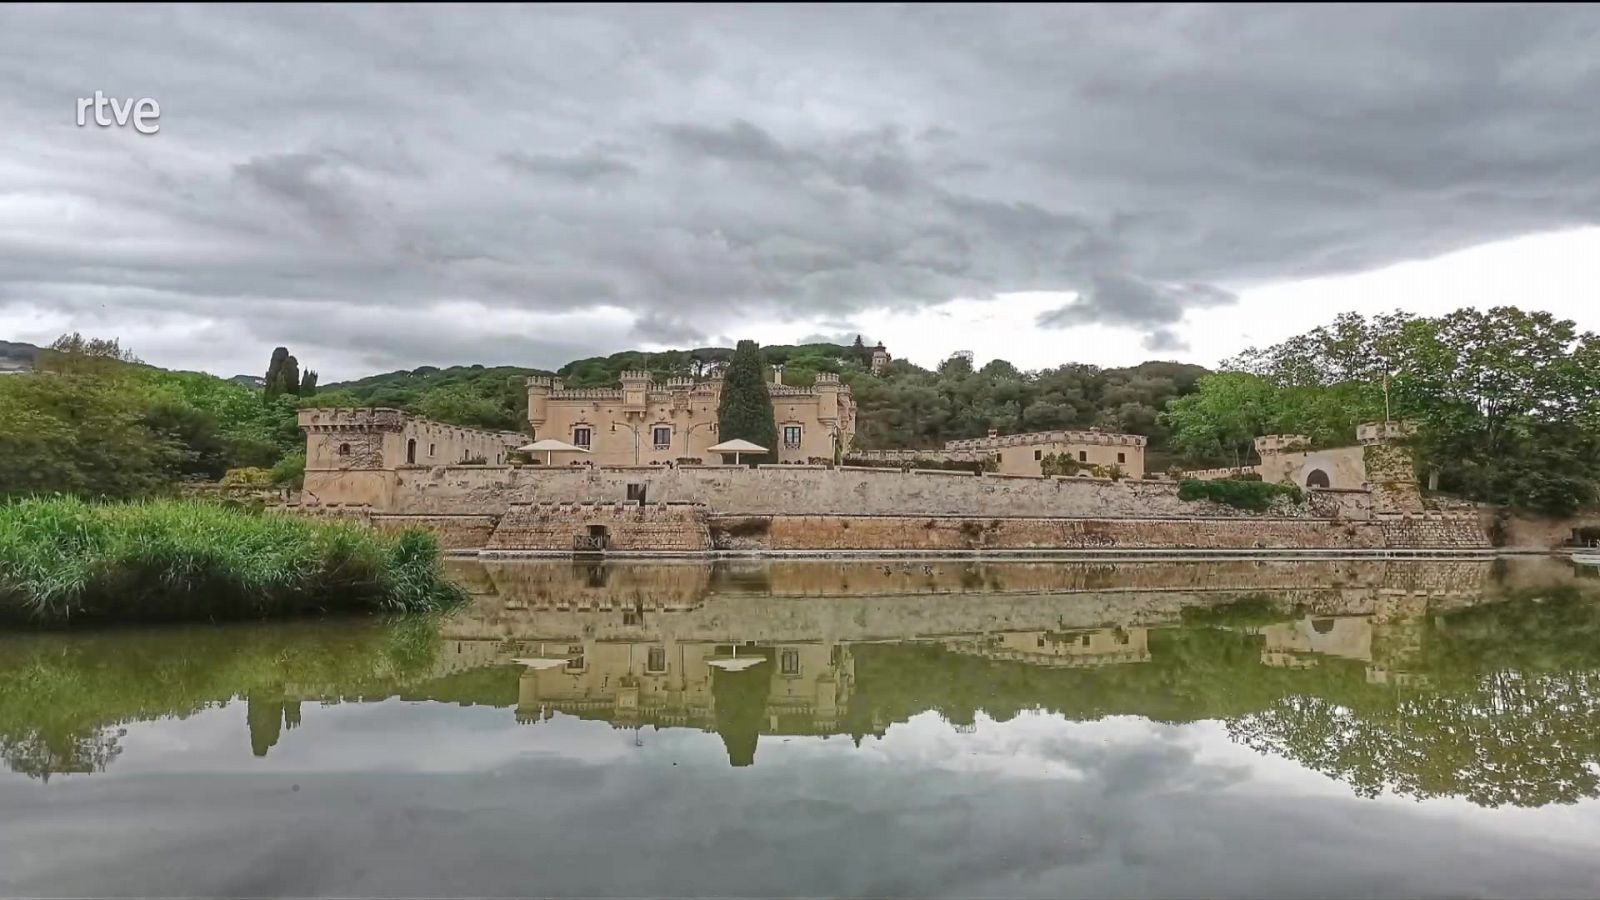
pixel 772 647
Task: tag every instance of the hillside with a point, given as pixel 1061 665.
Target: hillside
pixel 905 406
pixel 17 357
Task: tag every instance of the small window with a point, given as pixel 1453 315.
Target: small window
pixel 344 449
pixel 580 437
pixel 662 437
pixel 1038 454
pixel 791 436
pixel 1083 456
pixel 657 660
pixel 1085 640
pixel 636 493
pixel 1122 457
pixel 575 658
pixel 789 662
pixel 997 458
pixel 431 448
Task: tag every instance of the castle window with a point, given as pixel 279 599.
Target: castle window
pixel 1038 454
pixel 580 437
pixel 431 448
pixel 662 437
pixel 1122 457
pixel 789 662
pixel 575 658
pixel 344 449
pixel 657 660
pixel 1083 456
pixel 791 436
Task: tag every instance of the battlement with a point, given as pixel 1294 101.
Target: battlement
pixel 373 418
pixel 635 375
pixel 1282 443
pixel 544 381
pixel 681 382
pixel 827 378
pixel 1378 432
pixel 994 442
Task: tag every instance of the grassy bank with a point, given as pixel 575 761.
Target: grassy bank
pixel 66 562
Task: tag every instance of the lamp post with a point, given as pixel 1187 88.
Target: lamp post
pixel 635 430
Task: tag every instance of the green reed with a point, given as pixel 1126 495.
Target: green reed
pixel 68 562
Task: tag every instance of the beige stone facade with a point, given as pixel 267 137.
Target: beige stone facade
pixel 376 438
pixel 1290 459
pixel 1023 454
pixel 642 422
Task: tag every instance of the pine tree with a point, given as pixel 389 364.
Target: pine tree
pixel 308 384
pixel 745 411
pixel 859 348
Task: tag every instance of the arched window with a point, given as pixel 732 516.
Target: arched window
pixel 1317 479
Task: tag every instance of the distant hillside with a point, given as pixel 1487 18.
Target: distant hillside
pixel 17 357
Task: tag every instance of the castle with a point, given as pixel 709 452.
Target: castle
pixel 643 422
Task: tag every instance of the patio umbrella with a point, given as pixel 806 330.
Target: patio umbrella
pixel 549 446
pixel 736 447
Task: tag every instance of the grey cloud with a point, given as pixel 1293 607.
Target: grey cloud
pixel 712 167
pixel 584 168
pixel 660 328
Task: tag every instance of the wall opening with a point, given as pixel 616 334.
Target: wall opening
pixel 411 452
pixel 636 493
pixel 1317 479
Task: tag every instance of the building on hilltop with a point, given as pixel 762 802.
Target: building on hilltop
pixel 645 422
pixel 880 358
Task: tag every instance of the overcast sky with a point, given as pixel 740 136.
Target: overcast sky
pixel 382 188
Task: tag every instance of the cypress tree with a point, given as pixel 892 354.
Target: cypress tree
pixel 290 377
pixel 274 379
pixel 308 384
pixel 745 411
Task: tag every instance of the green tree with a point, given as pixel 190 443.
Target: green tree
pixel 273 386
pixel 745 410
pixel 308 384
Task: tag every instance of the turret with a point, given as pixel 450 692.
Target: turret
pixel 540 387
pixel 635 391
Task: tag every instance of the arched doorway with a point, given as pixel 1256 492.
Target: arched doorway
pixel 411 452
pixel 1317 479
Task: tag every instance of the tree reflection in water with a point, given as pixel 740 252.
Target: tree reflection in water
pixel 1492 698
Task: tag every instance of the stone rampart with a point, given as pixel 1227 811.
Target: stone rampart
pixel 618 527
pixel 794 490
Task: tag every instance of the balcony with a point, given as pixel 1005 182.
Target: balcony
pixel 590 543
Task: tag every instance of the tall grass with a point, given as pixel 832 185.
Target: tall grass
pixel 67 562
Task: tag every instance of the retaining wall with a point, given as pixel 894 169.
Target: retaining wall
pixel 491 490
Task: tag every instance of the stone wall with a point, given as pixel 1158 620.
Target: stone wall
pixel 940 534
pixel 1435 530
pixel 547 528
pixel 452 532
pixel 733 490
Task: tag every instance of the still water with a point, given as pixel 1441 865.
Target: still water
pixel 1273 729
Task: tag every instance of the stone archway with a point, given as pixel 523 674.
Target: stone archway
pixel 1317 479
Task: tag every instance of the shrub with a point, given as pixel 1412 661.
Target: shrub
pixel 64 561
pixel 1254 496
pixel 251 477
pixel 290 471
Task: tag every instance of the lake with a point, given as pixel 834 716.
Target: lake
pixel 1288 728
